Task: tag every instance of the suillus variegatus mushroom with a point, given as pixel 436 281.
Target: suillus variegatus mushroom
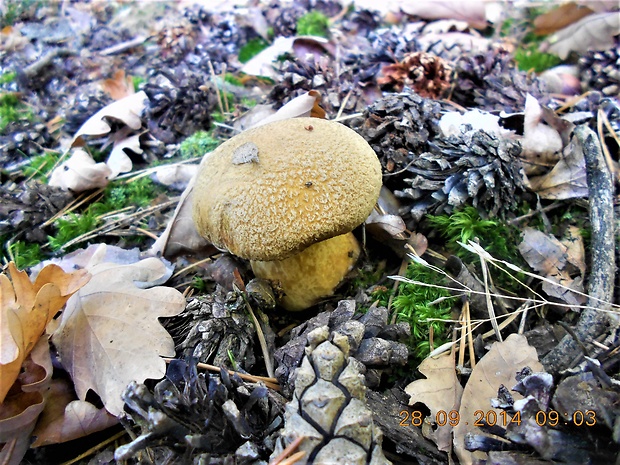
pixel 273 191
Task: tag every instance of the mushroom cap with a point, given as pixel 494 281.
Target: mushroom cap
pixel 271 191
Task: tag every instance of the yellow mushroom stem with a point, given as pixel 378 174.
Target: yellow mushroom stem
pixel 312 274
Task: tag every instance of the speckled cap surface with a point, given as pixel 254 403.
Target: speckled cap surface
pixel 273 190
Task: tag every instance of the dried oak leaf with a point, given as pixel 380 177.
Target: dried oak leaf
pixel 80 173
pixel 594 32
pixel 472 12
pixel 550 257
pixel 65 418
pixel 499 366
pixel 109 334
pixel 21 408
pixel 118 86
pixel 559 18
pixel 25 310
pixel 126 110
pixel 441 391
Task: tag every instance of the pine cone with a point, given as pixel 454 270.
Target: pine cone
pixel 601 70
pixel 372 341
pixel 208 418
pixel 491 82
pixel 180 103
pixel 329 403
pixel 473 167
pixel 398 127
pixel 427 74
pixel 213 328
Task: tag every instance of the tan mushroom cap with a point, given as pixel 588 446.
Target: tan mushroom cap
pixel 273 190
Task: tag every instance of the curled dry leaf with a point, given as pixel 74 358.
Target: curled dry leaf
pixel 176 176
pixel 80 173
pixel 118 161
pixel 499 366
pixel 109 334
pixel 559 18
pixel 64 418
pixel 21 408
pixel 472 12
pixel 25 310
pixel 440 392
pixel 567 179
pixel 550 257
pixel 126 110
pixel 594 32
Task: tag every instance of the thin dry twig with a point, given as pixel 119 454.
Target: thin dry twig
pixel 279 460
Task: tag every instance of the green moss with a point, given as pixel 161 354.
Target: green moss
pixel 529 58
pixel 25 255
pixel 71 226
pixel 252 48
pixel 12 109
pixel 40 166
pixel 420 305
pixel 140 192
pixel 494 236
pixel 7 77
pixel 15 10
pixel 198 144
pixel 137 82
pixel 313 23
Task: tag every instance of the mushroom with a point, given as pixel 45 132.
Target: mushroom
pixel 273 194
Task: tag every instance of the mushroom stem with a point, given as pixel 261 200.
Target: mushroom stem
pixel 312 274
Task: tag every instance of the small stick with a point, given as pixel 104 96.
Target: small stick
pixel 288 450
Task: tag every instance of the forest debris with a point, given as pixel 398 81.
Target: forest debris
pixel 593 32
pixel 176 176
pixel 93 346
pixel 498 367
pixel 118 86
pixel 441 391
pixel 560 17
pixel 427 74
pixel 118 161
pixel 25 310
pixel 547 255
pixel 593 322
pixel 65 418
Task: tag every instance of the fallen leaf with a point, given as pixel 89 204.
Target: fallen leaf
pixel 453 123
pixel 175 176
pixel 441 392
pixel 472 12
pixel 575 250
pixel 25 310
pixel 498 367
pixel 560 17
pixel 126 110
pixel 80 173
pixel 548 256
pixel 118 86
pixel 64 418
pixel 118 161
pixel 567 179
pixel 541 142
pixel 594 32
pixel 109 334
pixel 20 410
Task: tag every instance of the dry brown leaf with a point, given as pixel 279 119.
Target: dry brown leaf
pixel 118 86
pixel 575 250
pixel 567 179
pixel 548 256
pixel 497 367
pixel 176 176
pixel 64 418
pixel 441 391
pixel 25 310
pixel 541 142
pixel 21 409
pixel 80 173
pixel 118 161
pixel 560 17
pixel 594 32
pixel 127 110
pixel 110 335
pixel 473 12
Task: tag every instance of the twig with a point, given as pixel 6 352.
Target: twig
pixel 261 336
pixel 94 449
pixel 600 287
pixel 35 68
pixel 288 450
pixel 217 89
pixel 119 48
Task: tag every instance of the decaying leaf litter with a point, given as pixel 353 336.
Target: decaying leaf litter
pixel 492 245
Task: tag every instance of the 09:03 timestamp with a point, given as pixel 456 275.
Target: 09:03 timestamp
pixel 502 418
